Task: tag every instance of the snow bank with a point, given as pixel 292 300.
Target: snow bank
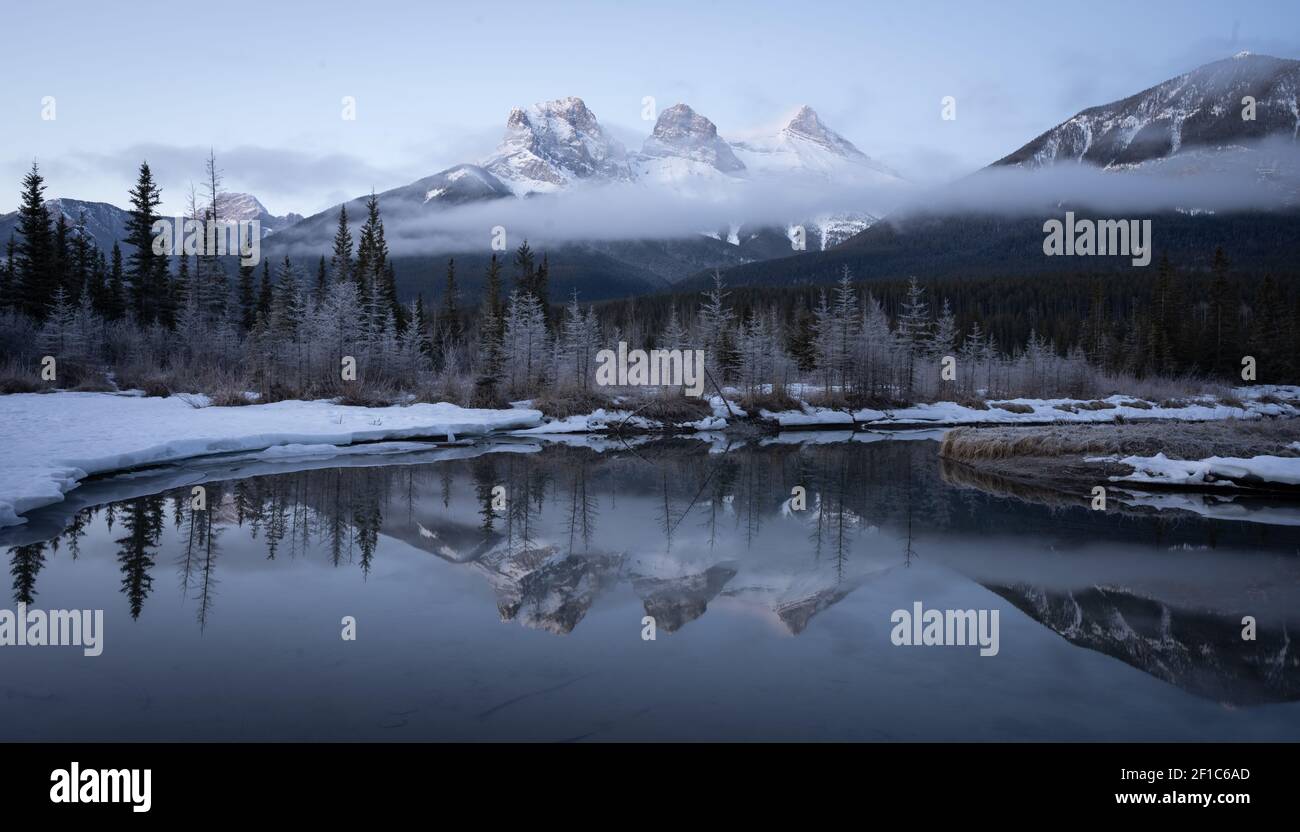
pixel 1224 471
pixel 1050 411
pixel 601 420
pixel 51 441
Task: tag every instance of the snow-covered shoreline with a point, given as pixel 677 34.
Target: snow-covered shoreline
pixel 1227 472
pixel 1038 412
pixel 52 441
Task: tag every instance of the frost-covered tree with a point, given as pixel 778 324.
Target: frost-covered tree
pixel 674 337
pixel 577 344
pixel 914 330
pixel 59 336
pixel 524 342
pixel 715 329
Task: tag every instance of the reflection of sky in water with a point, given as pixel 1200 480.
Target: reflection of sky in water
pixel 764 632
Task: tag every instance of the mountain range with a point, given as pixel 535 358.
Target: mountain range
pixel 556 156
pixel 1183 153
pixel 557 150
pixel 105 223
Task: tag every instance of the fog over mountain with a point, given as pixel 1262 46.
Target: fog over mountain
pixel 692 198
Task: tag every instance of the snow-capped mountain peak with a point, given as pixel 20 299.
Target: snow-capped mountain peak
pixel 804 144
pixel 805 125
pixel 233 207
pixel 554 143
pixel 682 132
pixel 1203 108
pixel 240 207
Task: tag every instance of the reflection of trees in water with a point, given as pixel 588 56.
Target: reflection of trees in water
pixel 583 507
pixel 484 472
pixel 143 522
pixel 25 565
pixel 339 512
pixel 549 567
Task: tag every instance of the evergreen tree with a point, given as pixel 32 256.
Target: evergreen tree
pixel 579 339
pixel 914 330
pixel 58 336
pixel 8 280
pixel 341 262
pixel 97 283
pixel 542 289
pixel 1163 340
pixel 525 271
pixel 715 329
pixel 143 266
pixel 115 300
pixel 83 258
pixel 674 337
pixel 1222 315
pixel 449 316
pixel 264 293
pixel 421 324
pixel 168 294
pixel 945 331
pixel 366 270
pixel 389 288
pixel 62 255
pixel 247 298
pixel 34 272
pixel 287 310
pixel 1271 336
pixel 524 342
pixel 492 289
pixel 487 391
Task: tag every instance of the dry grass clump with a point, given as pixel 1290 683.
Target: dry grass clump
pixel 972 402
pixel 19 377
pixel 775 401
pixel 1013 407
pixel 672 408
pixel 970 444
pixel 560 404
pixel 15 380
pixel 368 396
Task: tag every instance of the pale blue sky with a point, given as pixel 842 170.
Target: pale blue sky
pixel 261 82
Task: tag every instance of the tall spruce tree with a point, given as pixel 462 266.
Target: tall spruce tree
pixel 264 294
pixel 8 279
pixel 83 258
pixel 34 272
pixel 341 261
pixel 247 298
pixel 143 266
pixel 525 269
pixel 1222 314
pixel 449 324
pixel 115 299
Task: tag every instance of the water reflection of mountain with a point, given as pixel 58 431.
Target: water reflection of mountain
pixel 673 602
pixel 1201 652
pixel 685 527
